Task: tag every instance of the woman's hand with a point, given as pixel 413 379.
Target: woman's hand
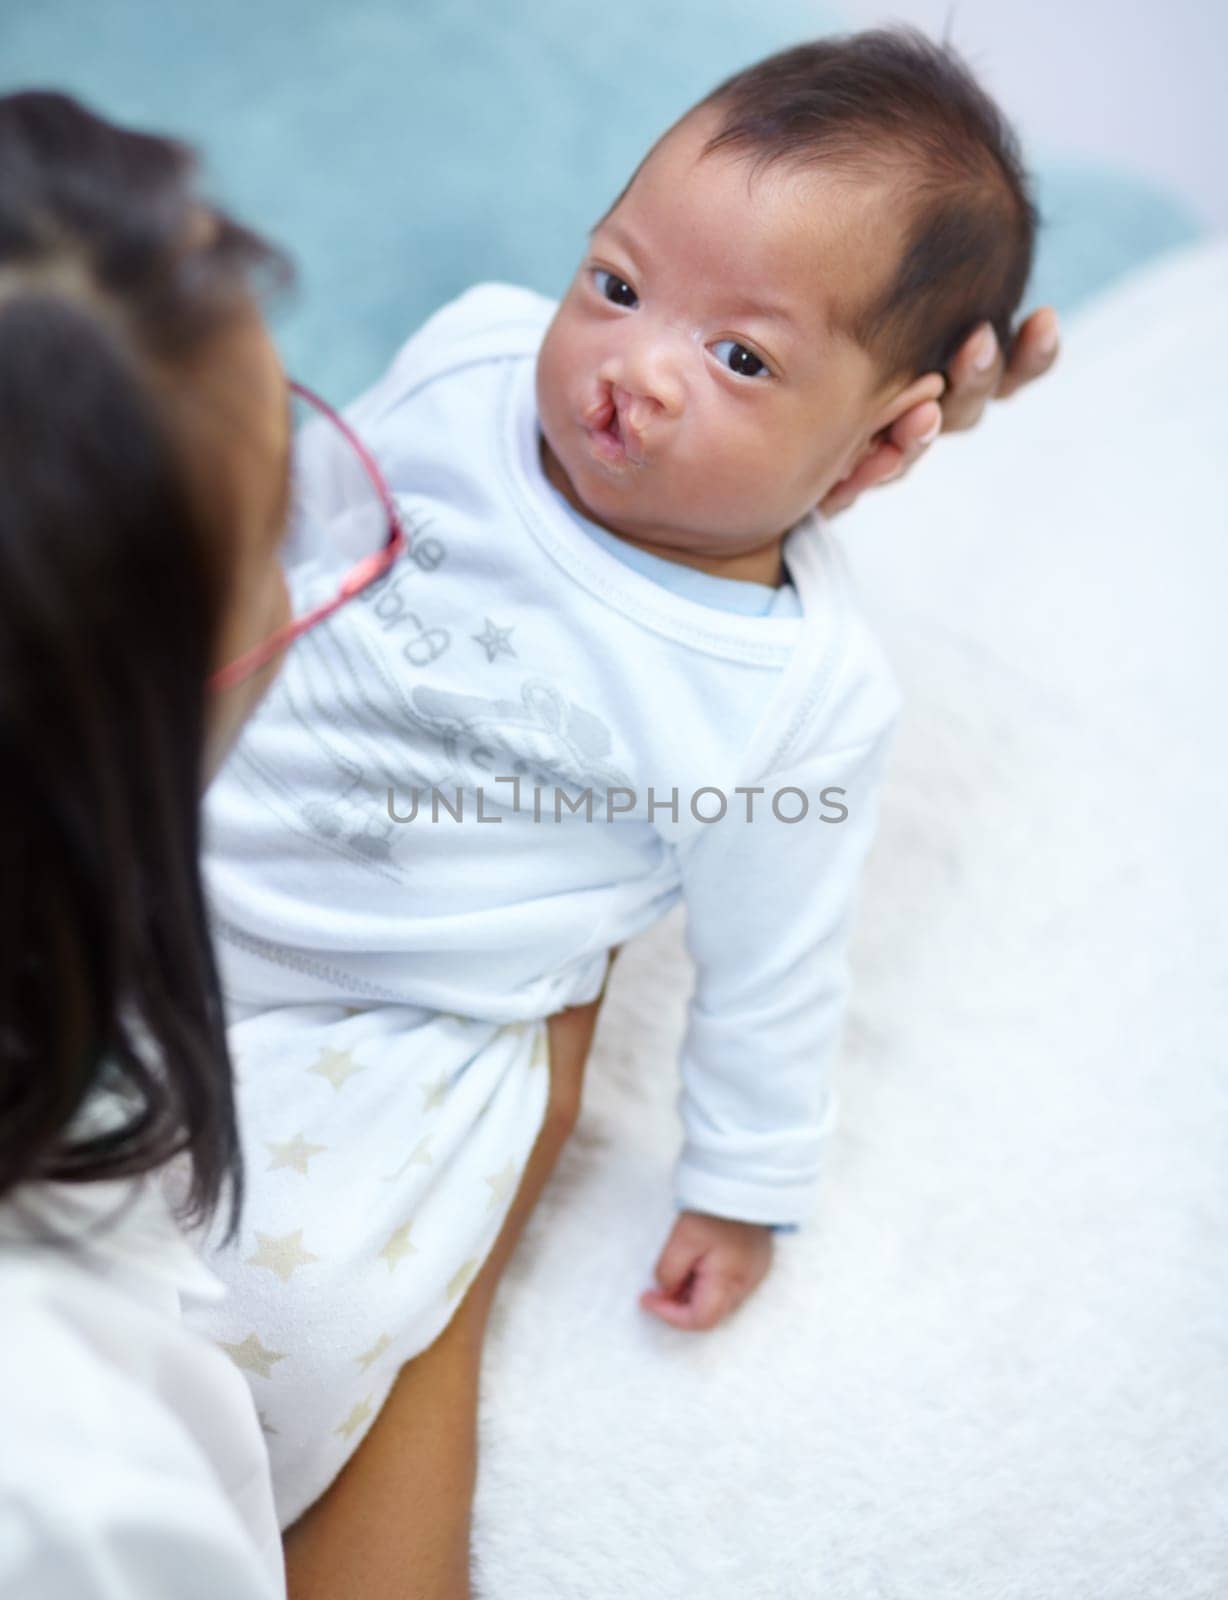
pixel 977 374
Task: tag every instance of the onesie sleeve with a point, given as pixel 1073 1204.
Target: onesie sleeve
pixel 770 907
pixel 329 479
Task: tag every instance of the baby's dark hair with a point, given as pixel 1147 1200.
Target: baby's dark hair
pixel 890 103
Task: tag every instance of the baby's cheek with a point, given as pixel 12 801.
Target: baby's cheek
pixel 729 482
pixel 551 365
pixel 546 391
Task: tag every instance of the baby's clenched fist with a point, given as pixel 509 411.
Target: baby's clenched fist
pixel 708 1267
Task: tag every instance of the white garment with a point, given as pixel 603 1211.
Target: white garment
pixel 508 643
pixel 131 1460
pixel 383 1149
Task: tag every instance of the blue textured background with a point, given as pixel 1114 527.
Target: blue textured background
pixel 403 149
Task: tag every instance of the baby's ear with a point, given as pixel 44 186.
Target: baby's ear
pixel 880 459
pixel 929 386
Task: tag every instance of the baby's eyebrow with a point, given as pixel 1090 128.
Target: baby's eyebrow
pixel 616 231
pixel 764 311
pixel 752 306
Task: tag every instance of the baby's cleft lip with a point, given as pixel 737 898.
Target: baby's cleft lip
pixel 632 439
pixel 600 413
pixel 609 433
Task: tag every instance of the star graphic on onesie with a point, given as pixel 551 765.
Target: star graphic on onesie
pixel 369 1357
pixel 436 1093
pixel 494 640
pixel 541 1050
pixel 294 1153
pixel 399 1246
pixel 460 1279
pixel 419 1156
pixel 501 1185
pixel 336 1066
pixel 252 1356
pixel 355 1420
pixel 281 1253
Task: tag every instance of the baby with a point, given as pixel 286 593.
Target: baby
pixel 620 667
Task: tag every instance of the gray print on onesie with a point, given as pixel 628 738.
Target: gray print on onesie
pixel 372 738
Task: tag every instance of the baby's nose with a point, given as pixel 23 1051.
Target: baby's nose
pixel 639 409
pixel 651 381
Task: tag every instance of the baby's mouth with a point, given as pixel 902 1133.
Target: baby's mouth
pixel 612 439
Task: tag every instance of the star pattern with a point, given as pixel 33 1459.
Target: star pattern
pixel 501 1186
pixel 336 1065
pixel 399 1246
pixel 541 1049
pixel 355 1420
pixel 436 1093
pixel 418 1157
pixel 294 1153
pixel 368 1360
pixel 282 1254
pixel 461 1279
pixel 252 1356
pixel 494 640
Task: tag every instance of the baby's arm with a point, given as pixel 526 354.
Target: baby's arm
pixel 770 907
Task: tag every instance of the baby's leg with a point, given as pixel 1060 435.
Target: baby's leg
pixel 402 1506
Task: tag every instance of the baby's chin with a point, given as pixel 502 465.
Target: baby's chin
pixel 591 500
pixel 602 503
pixel 622 503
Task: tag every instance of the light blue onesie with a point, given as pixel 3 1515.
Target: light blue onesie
pixel 723 594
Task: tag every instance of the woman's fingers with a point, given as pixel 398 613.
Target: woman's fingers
pixel 912 435
pixel 973 375
pixel 1034 351
pixel 978 373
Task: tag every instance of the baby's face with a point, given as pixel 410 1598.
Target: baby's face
pixel 690 392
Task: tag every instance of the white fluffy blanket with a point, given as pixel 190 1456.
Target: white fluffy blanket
pixel 996 1365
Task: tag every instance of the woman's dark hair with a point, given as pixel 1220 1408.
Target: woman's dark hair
pixel 114 278
pixel 889 104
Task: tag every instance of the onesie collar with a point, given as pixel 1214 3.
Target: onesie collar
pixel 763 641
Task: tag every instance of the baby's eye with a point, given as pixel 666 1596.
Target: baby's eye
pixel 616 290
pixel 739 359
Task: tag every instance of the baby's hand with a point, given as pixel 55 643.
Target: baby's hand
pixel 708 1267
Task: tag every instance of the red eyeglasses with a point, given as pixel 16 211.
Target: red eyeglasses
pixel 335 555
